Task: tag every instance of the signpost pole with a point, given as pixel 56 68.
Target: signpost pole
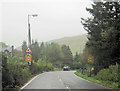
pixel 90 69
pixel 90 61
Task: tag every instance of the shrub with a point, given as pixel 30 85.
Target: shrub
pixel 15 72
pixel 50 67
pixel 76 65
pixel 110 74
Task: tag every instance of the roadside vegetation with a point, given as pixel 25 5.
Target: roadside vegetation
pixel 45 57
pixel 16 72
pixel 103 29
pixel 105 77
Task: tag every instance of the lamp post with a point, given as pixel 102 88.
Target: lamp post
pixel 29 33
pixel 29 38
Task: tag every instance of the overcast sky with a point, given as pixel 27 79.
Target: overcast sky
pixel 56 19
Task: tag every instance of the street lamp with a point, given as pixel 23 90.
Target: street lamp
pixel 29 34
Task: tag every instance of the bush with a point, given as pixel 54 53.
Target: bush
pixel 50 67
pixel 15 72
pixel 76 65
pixel 110 74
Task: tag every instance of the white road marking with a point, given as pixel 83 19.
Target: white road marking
pixel 67 87
pixel 29 82
pixel 60 80
pixel 63 83
pixel 90 81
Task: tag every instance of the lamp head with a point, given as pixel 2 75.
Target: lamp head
pixel 35 15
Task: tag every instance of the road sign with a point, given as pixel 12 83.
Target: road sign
pixel 28 50
pixel 90 59
pixel 28 58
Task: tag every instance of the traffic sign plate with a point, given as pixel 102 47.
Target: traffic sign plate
pixel 90 59
pixel 28 50
pixel 28 57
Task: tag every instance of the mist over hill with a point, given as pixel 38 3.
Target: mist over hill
pixel 76 43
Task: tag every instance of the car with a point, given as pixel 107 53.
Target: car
pixel 66 68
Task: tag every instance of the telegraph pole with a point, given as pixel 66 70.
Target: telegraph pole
pixel 28 50
pixel 29 32
pixel 29 35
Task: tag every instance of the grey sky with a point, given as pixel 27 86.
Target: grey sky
pixel 56 19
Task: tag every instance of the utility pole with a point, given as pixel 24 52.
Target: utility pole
pixel 29 32
pixel 29 56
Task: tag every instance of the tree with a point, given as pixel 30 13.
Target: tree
pixel 54 53
pixel 24 47
pixel 103 29
pixel 77 62
pixel 68 58
pixel 76 57
pixel 6 79
pixel 35 51
pixel 42 48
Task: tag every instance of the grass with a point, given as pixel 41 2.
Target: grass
pixel 109 84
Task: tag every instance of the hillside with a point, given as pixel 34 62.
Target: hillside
pixel 76 43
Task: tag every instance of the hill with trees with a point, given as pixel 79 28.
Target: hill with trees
pixel 76 43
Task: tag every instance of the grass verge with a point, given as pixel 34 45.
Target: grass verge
pixel 109 84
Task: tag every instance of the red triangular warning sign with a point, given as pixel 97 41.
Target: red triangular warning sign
pixel 28 50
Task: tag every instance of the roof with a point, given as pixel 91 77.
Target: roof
pixel 7 48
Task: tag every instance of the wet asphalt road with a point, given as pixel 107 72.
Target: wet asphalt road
pixel 62 80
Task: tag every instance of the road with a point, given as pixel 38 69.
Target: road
pixel 62 80
pixel 0 79
pixel 0 75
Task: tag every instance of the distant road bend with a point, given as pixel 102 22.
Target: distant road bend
pixel 62 80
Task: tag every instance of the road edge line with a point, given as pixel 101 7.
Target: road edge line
pixel 93 82
pixel 29 82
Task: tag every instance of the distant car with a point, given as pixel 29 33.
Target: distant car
pixel 66 68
